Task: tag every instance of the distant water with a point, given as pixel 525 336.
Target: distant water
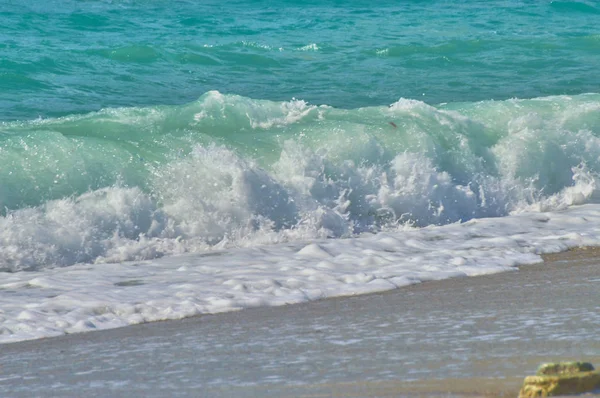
pixel 60 57
pixel 135 130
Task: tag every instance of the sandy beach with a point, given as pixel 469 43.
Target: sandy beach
pixel 474 336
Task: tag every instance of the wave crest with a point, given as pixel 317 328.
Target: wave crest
pixel 140 183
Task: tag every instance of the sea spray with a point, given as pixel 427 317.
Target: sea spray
pixel 140 183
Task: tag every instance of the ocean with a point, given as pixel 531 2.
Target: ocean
pixel 160 160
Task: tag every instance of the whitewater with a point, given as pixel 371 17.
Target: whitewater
pixel 149 214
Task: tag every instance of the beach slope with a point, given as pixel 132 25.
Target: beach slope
pixel 474 336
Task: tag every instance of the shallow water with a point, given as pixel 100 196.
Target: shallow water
pixel 465 336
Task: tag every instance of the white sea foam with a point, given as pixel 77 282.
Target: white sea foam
pixel 310 47
pixel 85 297
pixel 215 199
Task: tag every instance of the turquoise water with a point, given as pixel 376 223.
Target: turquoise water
pixel 61 57
pixel 217 122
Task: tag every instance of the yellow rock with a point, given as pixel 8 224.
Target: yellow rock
pixel 562 368
pixel 565 378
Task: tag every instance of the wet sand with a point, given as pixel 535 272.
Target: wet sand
pixel 474 336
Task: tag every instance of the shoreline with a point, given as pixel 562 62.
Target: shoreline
pixel 471 336
pixel 576 253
